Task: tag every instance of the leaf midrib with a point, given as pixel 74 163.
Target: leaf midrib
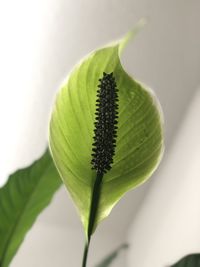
pixel 11 235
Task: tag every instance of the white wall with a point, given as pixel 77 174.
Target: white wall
pixel 40 42
pixel 166 228
pixel 49 245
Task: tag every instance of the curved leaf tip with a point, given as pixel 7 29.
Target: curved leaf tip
pixel 131 34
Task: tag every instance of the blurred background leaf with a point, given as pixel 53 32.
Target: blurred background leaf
pixel 192 260
pixel 26 193
pixel 112 256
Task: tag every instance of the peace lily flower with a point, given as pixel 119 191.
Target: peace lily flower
pixel 105 134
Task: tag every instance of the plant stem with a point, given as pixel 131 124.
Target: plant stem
pixel 92 216
pixel 85 254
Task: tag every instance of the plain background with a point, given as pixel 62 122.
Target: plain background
pixel 40 41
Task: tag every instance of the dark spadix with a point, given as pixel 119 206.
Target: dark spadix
pixel 105 131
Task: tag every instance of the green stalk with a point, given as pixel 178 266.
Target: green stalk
pixel 85 254
pixel 93 211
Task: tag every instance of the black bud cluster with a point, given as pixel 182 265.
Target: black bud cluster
pixel 105 132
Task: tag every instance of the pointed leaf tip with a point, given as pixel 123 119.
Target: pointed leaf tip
pixel 131 34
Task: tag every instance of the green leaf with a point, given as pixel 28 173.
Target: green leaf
pixel 111 257
pixel 22 198
pixel 139 136
pixel 192 260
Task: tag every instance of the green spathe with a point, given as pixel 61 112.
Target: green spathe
pixel 139 143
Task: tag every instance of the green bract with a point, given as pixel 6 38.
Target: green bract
pixel 139 135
